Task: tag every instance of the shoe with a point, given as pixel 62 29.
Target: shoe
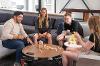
pixel 17 64
pixel 35 58
pixel 50 58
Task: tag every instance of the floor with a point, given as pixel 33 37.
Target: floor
pixel 9 61
pixel 88 62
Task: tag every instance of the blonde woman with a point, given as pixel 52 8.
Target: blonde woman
pixel 42 27
pixel 93 43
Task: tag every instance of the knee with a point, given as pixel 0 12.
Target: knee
pixel 21 45
pixel 64 56
pixel 64 53
pixel 49 36
pixel 58 38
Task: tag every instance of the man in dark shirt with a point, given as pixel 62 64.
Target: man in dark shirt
pixel 68 27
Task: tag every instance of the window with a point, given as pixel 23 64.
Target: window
pixel 12 4
pixel 26 5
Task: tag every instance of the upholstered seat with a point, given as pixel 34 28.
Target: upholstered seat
pixel 4 51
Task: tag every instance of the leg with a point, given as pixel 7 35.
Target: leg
pixel 15 44
pixel 61 42
pixel 36 36
pixel 64 60
pixel 67 55
pixel 60 39
pixel 49 37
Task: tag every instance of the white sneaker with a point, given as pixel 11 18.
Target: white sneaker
pixel 17 64
pixel 50 58
pixel 35 58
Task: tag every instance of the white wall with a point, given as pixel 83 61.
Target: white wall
pixel 49 4
pixel 78 4
pixel 92 4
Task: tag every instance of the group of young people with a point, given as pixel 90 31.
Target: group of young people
pixel 14 36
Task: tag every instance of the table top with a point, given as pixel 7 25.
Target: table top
pixel 45 51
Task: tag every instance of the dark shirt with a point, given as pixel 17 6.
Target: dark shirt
pixel 74 27
pixel 43 29
pixel 91 38
pixel 96 41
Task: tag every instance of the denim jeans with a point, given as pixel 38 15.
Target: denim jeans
pixel 15 44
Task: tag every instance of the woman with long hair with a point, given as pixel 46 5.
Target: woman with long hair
pixel 92 44
pixel 42 27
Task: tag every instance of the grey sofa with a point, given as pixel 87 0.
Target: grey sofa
pixel 28 23
pixel 4 51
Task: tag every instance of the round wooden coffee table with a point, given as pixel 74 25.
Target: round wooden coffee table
pixel 44 51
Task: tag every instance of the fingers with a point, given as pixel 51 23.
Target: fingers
pixel 60 37
pixel 29 40
pixel 18 36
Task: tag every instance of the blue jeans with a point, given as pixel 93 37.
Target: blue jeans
pixel 15 44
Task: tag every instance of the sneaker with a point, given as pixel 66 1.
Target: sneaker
pixel 17 64
pixel 35 58
pixel 50 58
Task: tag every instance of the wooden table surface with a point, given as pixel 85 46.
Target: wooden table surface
pixel 45 51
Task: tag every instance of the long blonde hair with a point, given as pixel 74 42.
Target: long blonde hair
pixel 94 23
pixel 41 19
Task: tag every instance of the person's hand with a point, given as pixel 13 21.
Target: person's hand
pixel 29 41
pixel 64 32
pixel 44 34
pixel 68 32
pixel 40 35
pixel 88 45
pixel 60 37
pixel 18 36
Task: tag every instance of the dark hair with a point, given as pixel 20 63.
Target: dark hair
pixel 68 14
pixel 16 13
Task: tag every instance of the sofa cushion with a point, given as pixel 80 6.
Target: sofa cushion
pixel 29 20
pixel 4 17
pixel 1 26
pixel 85 27
pixel 29 29
pixel 0 43
pixel 57 22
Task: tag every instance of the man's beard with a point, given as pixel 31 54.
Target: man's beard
pixel 18 21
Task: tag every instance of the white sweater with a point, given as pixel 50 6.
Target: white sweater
pixel 10 28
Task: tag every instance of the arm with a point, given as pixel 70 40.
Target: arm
pixel 6 31
pixel 24 35
pixel 23 31
pixel 29 40
pixel 87 45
